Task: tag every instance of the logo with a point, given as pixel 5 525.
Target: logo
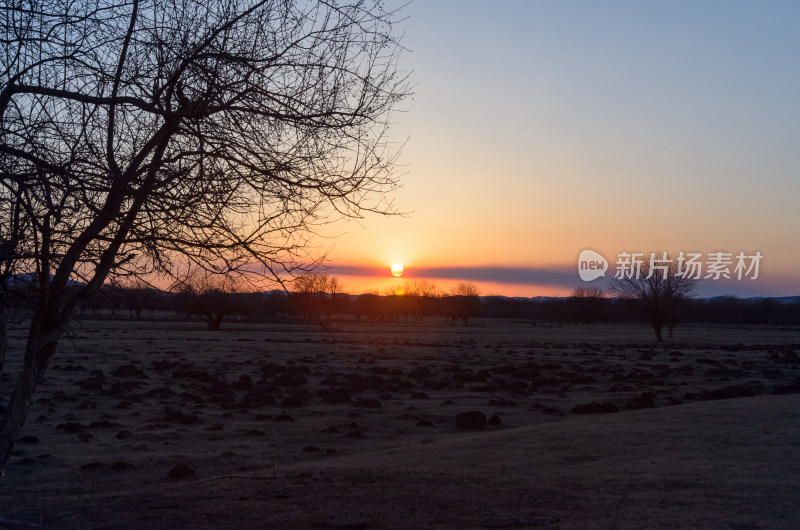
pixel 591 265
pixel 690 265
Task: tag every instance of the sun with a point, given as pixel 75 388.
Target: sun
pixel 397 270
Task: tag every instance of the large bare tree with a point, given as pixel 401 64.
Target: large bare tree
pixel 660 284
pixel 141 137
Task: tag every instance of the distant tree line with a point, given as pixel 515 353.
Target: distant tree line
pixel 721 310
pixel 323 301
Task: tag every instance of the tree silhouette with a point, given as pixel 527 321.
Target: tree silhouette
pixel 465 289
pixel 134 294
pixel 660 288
pixel 463 302
pixel 316 294
pixel 587 303
pixel 141 136
pixel 211 296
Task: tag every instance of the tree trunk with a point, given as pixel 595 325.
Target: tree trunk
pixel 15 414
pixel 39 350
pixel 215 321
pixel 3 339
pixel 657 329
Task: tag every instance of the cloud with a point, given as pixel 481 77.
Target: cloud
pixel 553 276
pixel 556 276
pixel 565 277
pixel 355 270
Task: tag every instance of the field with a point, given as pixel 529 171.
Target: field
pixel 162 424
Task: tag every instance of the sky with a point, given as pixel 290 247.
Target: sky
pixel 539 129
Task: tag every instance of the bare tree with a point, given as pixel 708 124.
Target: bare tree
pixel 139 135
pixel 135 294
pixel 660 287
pixel 423 297
pixel 409 299
pixel 423 288
pixel 211 296
pixel 465 289
pixel 463 302
pixel 316 294
pixel 587 303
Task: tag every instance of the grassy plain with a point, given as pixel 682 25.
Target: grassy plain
pixel 287 426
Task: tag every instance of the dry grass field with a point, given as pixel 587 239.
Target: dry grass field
pixel 162 424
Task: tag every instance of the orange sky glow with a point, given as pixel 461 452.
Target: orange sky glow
pixel 617 128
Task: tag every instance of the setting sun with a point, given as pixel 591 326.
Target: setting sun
pixel 397 270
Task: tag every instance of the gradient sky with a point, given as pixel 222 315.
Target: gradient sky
pixel 539 129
